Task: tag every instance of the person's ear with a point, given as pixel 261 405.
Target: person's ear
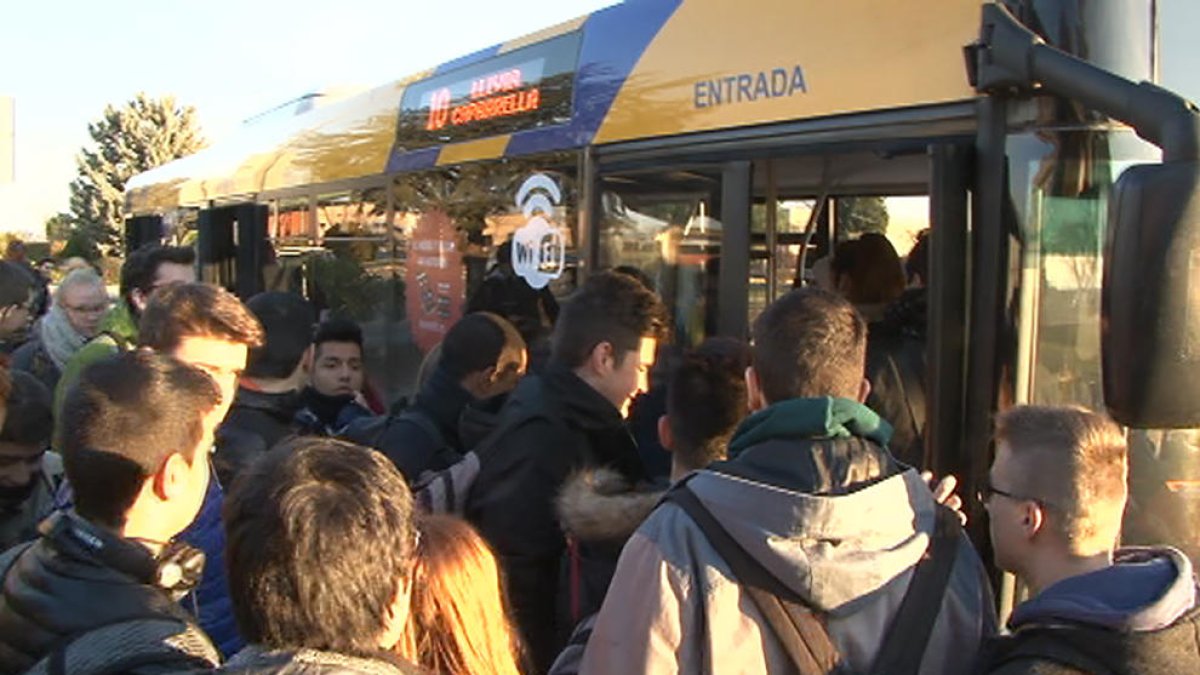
pixel 397 616
pixel 1033 519
pixel 139 299
pixel 307 361
pixel 171 480
pixel 864 390
pixel 602 360
pixel 755 400
pixel 664 433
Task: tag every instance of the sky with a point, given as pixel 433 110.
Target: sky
pixel 63 62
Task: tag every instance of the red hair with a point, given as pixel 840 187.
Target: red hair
pixel 458 624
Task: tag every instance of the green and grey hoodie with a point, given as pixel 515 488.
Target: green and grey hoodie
pixel 812 493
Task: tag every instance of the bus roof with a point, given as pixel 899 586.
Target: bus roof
pixel 642 69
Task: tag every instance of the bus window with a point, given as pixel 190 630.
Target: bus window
pixel 453 224
pixel 1060 185
pixel 664 225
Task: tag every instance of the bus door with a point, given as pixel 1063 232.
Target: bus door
pixel 668 225
pixel 721 241
pixel 231 247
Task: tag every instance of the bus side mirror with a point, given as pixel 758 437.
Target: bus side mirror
pixel 1150 308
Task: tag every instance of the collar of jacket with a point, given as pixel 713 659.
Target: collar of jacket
pixel 326 408
pixel 582 405
pixel 255 658
pixel 810 418
pixel 282 405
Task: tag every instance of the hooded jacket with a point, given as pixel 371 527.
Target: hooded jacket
pixel 810 493
pixel 255 660
pixel 555 424
pixel 598 510
pixel 1137 617
pixel 60 587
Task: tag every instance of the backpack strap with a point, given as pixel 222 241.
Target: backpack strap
pixel 794 624
pixel 904 644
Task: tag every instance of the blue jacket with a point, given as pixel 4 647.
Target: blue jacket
pixel 210 600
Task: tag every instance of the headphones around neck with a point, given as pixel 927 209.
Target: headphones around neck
pixel 176 569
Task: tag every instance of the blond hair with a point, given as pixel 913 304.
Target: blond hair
pixel 458 624
pixel 1074 461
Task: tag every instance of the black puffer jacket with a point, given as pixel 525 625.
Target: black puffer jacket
pixel 59 586
pixel 563 425
pixel 256 422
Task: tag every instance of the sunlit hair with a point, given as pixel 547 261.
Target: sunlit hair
pixel 1074 461
pixel 458 624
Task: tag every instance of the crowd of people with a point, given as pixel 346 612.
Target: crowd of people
pixel 190 483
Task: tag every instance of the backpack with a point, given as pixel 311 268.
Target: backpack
pixel 442 491
pixel 446 491
pixel 800 630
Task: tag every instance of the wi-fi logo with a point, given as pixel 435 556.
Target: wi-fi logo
pixel 539 249
pixel 539 193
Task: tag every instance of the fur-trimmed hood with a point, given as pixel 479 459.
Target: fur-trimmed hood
pixel 598 504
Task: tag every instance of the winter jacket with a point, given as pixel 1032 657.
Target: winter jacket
pixel 598 510
pixel 810 493
pixel 18 522
pixel 1137 617
pixel 324 415
pixel 60 586
pixel 411 447
pixel 564 425
pixel 479 419
pixel 255 423
pixel 210 600
pixel 255 660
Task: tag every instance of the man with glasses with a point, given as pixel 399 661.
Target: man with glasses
pixel 145 270
pixel 79 307
pixel 1055 497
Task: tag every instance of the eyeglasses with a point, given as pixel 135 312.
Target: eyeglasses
pixel 87 309
pixel 988 490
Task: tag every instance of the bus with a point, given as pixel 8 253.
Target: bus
pixel 723 148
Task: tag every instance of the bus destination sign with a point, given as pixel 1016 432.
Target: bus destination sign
pixel 524 89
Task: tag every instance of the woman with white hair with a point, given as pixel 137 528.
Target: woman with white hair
pixel 74 318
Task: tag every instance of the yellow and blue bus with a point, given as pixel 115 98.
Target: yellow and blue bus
pixel 722 148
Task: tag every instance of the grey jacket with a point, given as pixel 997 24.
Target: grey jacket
pixel 674 608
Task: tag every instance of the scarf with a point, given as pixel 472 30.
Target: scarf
pixel 59 338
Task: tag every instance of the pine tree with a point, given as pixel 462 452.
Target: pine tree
pixel 859 215
pixel 138 136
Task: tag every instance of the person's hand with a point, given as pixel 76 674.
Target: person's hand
pixel 943 493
